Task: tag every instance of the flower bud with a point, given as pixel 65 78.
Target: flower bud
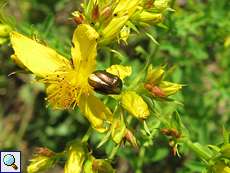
pixel 4 30
pixel 149 17
pixel 131 138
pixel 112 30
pixel 161 5
pixel 3 40
pixel 40 163
pixel 78 17
pixel 154 90
pixel 169 88
pixel 124 34
pixel 95 12
pixel 76 154
pixel 155 75
pixel 125 7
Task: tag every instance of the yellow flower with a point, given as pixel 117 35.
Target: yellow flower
pixel 66 81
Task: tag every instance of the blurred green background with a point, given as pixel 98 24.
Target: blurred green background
pixel 196 42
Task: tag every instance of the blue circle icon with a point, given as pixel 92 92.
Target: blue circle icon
pixel 9 160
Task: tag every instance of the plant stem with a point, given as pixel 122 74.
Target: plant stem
pixel 114 151
pixel 87 135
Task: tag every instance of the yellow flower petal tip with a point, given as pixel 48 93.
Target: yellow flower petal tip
pixel 120 71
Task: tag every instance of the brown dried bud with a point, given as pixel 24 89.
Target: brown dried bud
pixel 95 12
pixel 44 151
pixel 171 132
pixel 174 151
pixel 154 90
pixel 78 19
pixel 106 12
pixel 149 4
pixel 131 138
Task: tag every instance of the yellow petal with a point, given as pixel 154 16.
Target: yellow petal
pixel 84 48
pixel 39 59
pixel 95 111
pixel 18 62
pixel 120 70
pixel 134 104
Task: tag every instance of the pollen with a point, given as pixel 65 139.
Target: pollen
pixel 65 87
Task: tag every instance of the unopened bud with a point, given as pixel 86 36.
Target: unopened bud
pixel 95 12
pixel 149 17
pixel 44 151
pixel 4 30
pixel 78 17
pixel 154 90
pixel 161 5
pixel 170 88
pixel 124 34
pixel 41 163
pixel 155 75
pixel 3 40
pixel 112 30
pixel 76 154
pixel 131 138
pixel 106 13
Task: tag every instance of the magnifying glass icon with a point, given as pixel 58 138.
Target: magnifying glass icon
pixel 9 160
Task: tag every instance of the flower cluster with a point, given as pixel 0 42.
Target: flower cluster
pixel 115 19
pixel 67 81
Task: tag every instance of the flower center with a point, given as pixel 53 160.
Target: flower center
pixel 65 87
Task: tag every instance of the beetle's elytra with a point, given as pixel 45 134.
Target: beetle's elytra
pixel 105 83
